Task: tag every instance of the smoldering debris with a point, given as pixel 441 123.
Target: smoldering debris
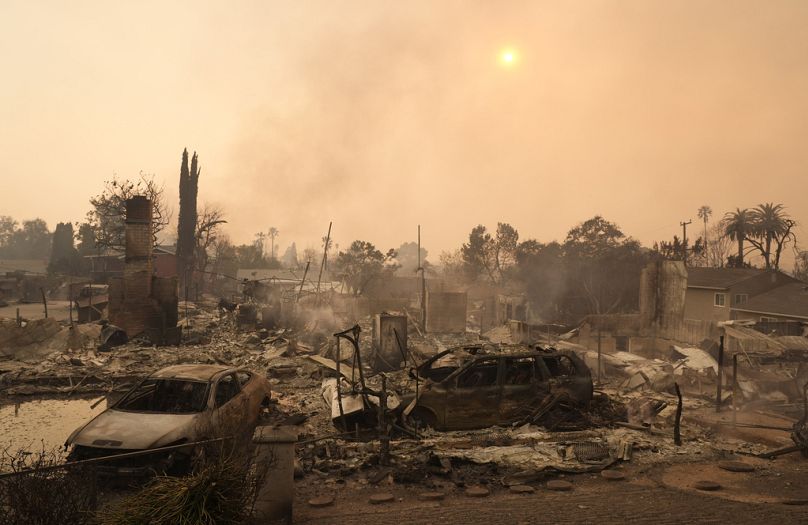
pixel 313 369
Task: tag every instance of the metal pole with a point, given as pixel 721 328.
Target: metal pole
pixel 339 392
pixel 677 433
pixel 684 240
pixel 423 284
pixel 734 389
pixel 720 374
pixel 322 264
pixel 70 300
pixel 305 273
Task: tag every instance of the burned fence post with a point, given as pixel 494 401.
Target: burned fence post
pixel 677 434
pixel 720 379
pixel 44 301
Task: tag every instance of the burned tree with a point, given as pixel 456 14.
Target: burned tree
pixel 208 229
pixel 186 223
pixel 106 218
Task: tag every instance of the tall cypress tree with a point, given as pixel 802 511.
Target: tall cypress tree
pixel 186 224
pixel 64 257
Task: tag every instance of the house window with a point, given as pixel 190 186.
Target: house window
pixel 741 298
pixel 768 320
pixel 720 299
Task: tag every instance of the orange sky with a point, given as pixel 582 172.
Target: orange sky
pixel 379 115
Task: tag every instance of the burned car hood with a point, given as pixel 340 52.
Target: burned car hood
pixel 134 430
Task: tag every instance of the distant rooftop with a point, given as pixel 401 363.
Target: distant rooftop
pixel 39 266
pixel 275 274
pixel 719 278
pixel 789 300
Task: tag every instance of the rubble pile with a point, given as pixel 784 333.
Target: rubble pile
pixel 631 416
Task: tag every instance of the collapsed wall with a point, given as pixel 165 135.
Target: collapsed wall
pixel 139 302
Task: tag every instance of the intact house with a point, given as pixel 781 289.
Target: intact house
pixel 721 294
pixel 782 304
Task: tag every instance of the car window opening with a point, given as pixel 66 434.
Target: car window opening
pixel 560 366
pixel 439 374
pixel 483 374
pixel 243 378
pixel 171 396
pixel 226 390
pixel 519 371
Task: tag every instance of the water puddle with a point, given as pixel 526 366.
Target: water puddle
pixel 31 424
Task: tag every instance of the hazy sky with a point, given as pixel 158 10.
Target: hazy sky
pixel 380 115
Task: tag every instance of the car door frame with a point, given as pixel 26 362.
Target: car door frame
pixel 225 419
pixel 515 397
pixel 473 407
pixel 578 386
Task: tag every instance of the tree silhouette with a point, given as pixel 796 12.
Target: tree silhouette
pixel 738 225
pixel 272 233
pixel 704 214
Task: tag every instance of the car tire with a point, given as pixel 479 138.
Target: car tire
pixel 421 418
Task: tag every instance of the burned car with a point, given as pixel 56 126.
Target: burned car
pixel 175 405
pixel 467 388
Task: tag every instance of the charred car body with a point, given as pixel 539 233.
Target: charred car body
pixel 175 405
pixel 468 388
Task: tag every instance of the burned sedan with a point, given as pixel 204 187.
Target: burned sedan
pixel 466 388
pixel 175 405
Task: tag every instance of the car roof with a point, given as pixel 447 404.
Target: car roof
pixel 504 351
pixel 525 353
pixel 195 372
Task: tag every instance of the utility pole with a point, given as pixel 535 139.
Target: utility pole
pixel 423 283
pixel 684 240
pixel 322 264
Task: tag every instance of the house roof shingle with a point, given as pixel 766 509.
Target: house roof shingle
pixel 719 278
pixel 789 300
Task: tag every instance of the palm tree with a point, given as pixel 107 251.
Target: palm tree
pixel 704 214
pixel 272 233
pixel 259 242
pixel 769 221
pixel 738 226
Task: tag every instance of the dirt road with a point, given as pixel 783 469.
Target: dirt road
pixel 642 498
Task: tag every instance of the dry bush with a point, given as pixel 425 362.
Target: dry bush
pixel 44 497
pixel 222 488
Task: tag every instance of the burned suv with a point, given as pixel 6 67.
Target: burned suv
pixel 467 387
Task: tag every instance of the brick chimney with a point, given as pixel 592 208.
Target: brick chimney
pixel 139 302
pixel 138 256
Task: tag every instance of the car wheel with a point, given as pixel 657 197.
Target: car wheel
pixel 421 418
